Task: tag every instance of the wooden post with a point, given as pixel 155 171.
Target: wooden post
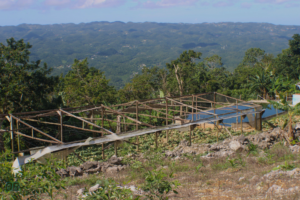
pixel 17 123
pixel 196 107
pixel 137 125
pixel 167 132
pixel 102 124
pixel 217 125
pixel 118 124
pixel 237 118
pixel 180 106
pixel 255 121
pixel 92 120
pixel 242 118
pixel 32 132
pixel 156 135
pixel 61 126
pixel 190 136
pixel 214 104
pixel 193 109
pixel 12 133
pixel 116 148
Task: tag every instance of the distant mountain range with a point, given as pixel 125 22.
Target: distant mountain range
pixel 122 49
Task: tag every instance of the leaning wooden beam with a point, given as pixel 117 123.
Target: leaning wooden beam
pixel 191 107
pixel 34 138
pixel 139 122
pixel 65 125
pixel 88 122
pixel 3 131
pixel 90 109
pixel 49 136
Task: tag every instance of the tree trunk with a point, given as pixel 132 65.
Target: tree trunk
pixel 179 80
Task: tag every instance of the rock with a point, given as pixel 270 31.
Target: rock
pixel 62 172
pixel 94 188
pixel 105 166
pixel 295 149
pixel 276 132
pixel 120 168
pixel 89 164
pixel 177 158
pixel 112 170
pixel 236 146
pixel 74 171
pixel 114 160
pixel 80 192
pixel 295 173
pixel 275 189
pixel 241 178
pixel 254 179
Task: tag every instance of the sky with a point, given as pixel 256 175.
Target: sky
pixel 279 12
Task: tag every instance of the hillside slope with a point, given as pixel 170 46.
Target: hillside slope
pixel 121 49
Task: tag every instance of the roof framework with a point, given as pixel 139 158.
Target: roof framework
pixel 74 125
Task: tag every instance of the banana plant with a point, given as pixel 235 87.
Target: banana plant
pixel 292 111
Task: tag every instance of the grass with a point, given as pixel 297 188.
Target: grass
pixel 199 177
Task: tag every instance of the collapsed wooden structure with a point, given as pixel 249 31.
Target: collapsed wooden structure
pixel 50 127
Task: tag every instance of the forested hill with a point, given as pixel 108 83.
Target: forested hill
pixel 121 49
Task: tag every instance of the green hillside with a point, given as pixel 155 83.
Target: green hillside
pixel 121 49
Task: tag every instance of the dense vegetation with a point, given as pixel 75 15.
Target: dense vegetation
pixel 122 49
pixel 27 86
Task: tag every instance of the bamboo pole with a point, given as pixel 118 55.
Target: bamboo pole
pixel 237 118
pixel 92 117
pixel 12 133
pixel 137 125
pixel 190 106
pixel 193 109
pixel 116 148
pixel 102 123
pixel 156 136
pixel 17 123
pixel 190 138
pixel 34 138
pixel 36 129
pixel 139 122
pixel 71 115
pixel 61 126
pixel 167 132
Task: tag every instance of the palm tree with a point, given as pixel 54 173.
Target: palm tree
pixel 260 83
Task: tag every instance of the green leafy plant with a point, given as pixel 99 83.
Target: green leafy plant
pixel 158 186
pixel 34 180
pixel 110 191
pixel 252 149
pixel 286 166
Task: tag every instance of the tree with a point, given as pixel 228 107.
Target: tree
pixel 24 85
pixel 213 61
pixel 86 86
pixel 287 63
pixel 182 67
pixel 260 83
pixel 252 56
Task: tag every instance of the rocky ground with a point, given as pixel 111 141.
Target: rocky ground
pixel 260 166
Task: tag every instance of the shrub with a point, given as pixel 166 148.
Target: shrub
pixel 110 191
pixel 157 185
pixel 34 181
